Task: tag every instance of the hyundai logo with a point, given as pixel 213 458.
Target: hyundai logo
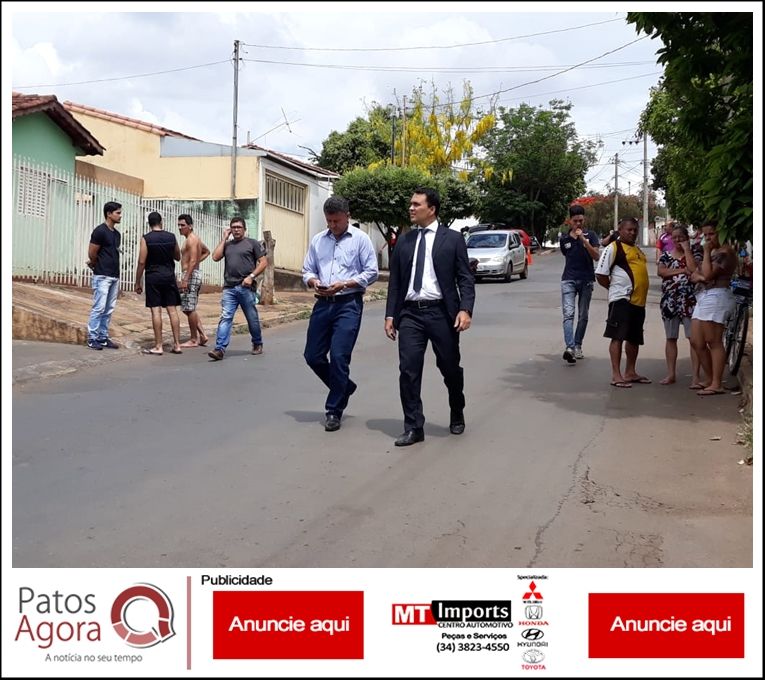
pixel 532 634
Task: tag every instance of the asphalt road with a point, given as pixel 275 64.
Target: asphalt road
pixel 177 461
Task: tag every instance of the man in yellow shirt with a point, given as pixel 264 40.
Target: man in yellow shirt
pixel 623 270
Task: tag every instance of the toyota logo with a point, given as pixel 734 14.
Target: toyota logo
pixel 532 634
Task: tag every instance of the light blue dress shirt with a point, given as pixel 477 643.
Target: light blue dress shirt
pixel 352 257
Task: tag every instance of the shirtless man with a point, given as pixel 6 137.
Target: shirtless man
pixel 714 305
pixel 192 254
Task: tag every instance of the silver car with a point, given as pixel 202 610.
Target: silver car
pixel 499 253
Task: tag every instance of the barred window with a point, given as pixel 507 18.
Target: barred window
pixel 285 194
pixel 32 197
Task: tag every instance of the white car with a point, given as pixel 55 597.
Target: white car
pixel 499 253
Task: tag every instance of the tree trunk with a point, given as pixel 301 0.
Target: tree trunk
pixel 267 289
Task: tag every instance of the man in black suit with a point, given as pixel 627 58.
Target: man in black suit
pixel 430 297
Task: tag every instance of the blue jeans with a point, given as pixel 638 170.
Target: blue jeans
pixel 238 296
pixel 569 290
pixel 105 291
pixel 333 329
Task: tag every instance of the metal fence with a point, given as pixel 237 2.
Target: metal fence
pixel 54 213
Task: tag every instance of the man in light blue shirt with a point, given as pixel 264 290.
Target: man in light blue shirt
pixel 340 264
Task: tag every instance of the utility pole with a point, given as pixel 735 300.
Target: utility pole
pixel 403 136
pixel 644 228
pixel 234 134
pixel 393 138
pixel 616 191
pixel 645 189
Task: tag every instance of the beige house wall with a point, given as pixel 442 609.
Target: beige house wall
pixel 289 230
pixel 111 177
pixel 136 152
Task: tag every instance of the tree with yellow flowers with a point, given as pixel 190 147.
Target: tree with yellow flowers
pixel 438 135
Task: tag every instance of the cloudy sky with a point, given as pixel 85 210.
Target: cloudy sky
pixel 309 71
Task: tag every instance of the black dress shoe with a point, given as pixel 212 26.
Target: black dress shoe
pixel 333 423
pixel 410 437
pixel 457 428
pixel 457 423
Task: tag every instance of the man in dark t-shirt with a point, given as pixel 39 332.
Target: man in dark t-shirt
pixel 158 254
pixel 245 260
pixel 580 248
pixel 104 261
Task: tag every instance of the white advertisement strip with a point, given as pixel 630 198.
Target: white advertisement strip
pixel 373 622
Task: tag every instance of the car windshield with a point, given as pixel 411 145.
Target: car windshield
pixel 487 241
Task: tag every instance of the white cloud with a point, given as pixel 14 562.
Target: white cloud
pixel 68 47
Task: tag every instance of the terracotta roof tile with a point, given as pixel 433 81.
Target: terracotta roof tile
pixel 27 104
pixel 124 120
pixel 23 102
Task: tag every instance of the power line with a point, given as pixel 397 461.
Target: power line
pixel 610 133
pixel 570 68
pixel 582 87
pixel 139 75
pixel 440 69
pixel 429 47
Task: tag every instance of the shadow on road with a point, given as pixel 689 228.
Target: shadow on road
pixel 306 416
pixel 582 386
pixel 394 428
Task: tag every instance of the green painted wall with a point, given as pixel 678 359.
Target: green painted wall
pixel 38 138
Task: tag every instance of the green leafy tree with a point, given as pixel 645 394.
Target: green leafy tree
pixel 599 209
pixel 381 197
pixel 364 142
pixel 535 166
pixel 702 114
pixel 677 169
pixel 459 198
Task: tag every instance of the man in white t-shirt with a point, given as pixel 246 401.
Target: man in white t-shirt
pixel 623 270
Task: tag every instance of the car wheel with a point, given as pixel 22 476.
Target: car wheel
pixel 509 272
pixel 525 272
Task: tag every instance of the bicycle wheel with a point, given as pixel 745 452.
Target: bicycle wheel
pixel 738 339
pixel 728 333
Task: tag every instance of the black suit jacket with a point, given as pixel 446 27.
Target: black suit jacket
pixel 450 262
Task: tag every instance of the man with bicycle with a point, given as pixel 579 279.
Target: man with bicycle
pixel 714 305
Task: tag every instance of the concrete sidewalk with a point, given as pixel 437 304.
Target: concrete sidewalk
pixel 50 325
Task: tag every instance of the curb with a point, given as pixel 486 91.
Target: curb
pixel 54 369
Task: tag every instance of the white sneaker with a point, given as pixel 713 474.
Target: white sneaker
pixel 578 353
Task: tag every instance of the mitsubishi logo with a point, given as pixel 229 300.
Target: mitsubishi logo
pixel 532 592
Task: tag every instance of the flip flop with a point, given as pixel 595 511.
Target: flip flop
pixel 696 386
pixel 152 352
pixel 640 380
pixel 204 344
pixel 175 351
pixel 706 392
pixel 624 383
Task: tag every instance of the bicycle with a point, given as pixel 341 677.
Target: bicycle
pixel 734 339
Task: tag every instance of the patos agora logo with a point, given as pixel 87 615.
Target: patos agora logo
pixel 162 627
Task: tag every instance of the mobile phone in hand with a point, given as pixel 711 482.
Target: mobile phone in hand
pixel 321 287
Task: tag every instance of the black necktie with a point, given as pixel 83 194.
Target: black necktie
pixel 420 266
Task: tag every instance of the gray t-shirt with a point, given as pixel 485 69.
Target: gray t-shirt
pixel 241 257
